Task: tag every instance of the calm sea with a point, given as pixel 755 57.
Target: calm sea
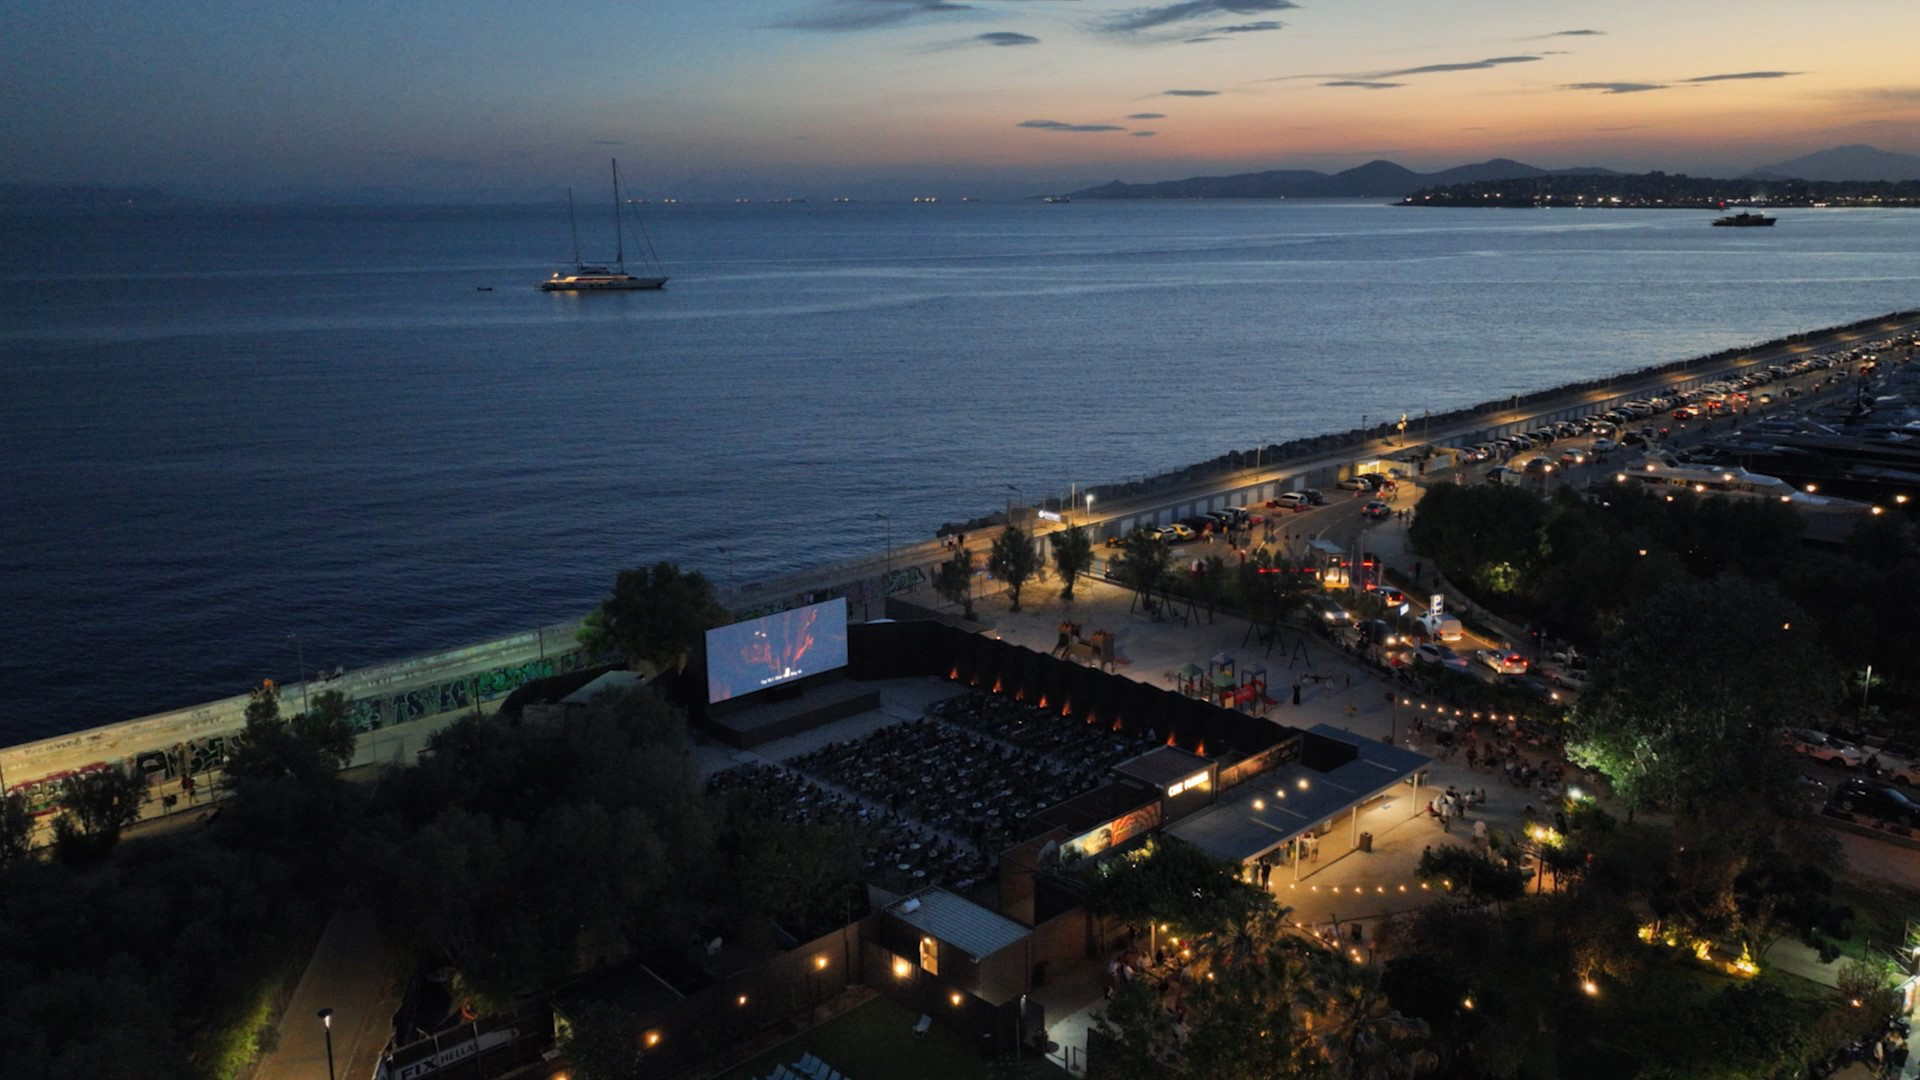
pixel 220 427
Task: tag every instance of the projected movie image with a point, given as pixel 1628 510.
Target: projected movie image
pixel 779 648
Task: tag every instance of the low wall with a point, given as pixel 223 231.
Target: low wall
pixel 396 707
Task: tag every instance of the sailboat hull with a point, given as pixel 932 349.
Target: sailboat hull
pixel 600 283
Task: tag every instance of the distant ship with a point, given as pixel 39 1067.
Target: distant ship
pixel 1744 218
pixel 1058 198
pixel 600 278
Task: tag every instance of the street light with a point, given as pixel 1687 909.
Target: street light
pixel 300 652
pixel 326 1019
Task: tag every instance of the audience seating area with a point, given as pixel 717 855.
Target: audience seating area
pixel 965 783
pixel 900 856
pixel 1069 740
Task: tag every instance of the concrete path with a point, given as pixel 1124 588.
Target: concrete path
pixel 358 974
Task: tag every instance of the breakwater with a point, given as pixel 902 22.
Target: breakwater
pixel 398 706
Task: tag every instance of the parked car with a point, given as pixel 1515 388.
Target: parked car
pixel 1315 496
pixel 1376 510
pixel 1200 525
pixel 1568 678
pixel 1442 627
pixel 1355 483
pixel 1821 746
pixel 1291 500
pixel 1433 652
pixel 1501 474
pixel 1896 768
pixel 1875 800
pixel 1503 661
pixel 1176 532
pixel 1604 446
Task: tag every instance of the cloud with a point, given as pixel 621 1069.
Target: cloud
pixel 1741 75
pixel 1615 87
pixel 1147 116
pixel 853 15
pixel 1202 40
pixel 1149 18
pixel 1363 84
pixel 1249 28
pixel 1573 33
pixel 1006 37
pixel 1055 125
pixel 1892 93
pixel 1191 93
pixel 1143 134
pixel 1472 65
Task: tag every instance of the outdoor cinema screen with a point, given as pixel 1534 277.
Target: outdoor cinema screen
pixel 778 648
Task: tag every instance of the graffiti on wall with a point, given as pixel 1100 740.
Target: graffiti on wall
pixel 196 757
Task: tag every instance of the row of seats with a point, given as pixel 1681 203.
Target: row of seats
pixel 1068 740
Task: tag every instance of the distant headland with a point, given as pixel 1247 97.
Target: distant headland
pixel 1841 175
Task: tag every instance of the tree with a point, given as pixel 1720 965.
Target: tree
pixel 656 613
pixel 1169 881
pixel 953 580
pixel 1144 558
pixel 1072 556
pixel 16 828
pixel 1013 560
pixel 96 806
pixel 1684 706
pixel 1470 873
pixel 603 1043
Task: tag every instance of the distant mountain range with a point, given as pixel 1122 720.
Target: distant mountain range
pixel 1386 180
pixel 1843 163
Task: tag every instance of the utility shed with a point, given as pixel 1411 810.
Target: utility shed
pixel 960 943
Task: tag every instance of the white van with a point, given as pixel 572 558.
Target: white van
pixel 1442 627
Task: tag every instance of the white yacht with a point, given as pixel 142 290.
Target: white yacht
pixel 586 278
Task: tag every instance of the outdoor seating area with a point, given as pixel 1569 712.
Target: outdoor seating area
pixel 965 783
pixel 900 856
pixel 1068 740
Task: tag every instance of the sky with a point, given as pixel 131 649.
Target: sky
pixel 773 98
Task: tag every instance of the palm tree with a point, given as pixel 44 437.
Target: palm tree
pixel 1361 1034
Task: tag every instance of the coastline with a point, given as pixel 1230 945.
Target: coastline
pixel 397 705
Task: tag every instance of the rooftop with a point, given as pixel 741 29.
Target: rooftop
pixel 959 922
pixel 1271 809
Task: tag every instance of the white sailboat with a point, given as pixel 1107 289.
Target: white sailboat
pixel 600 278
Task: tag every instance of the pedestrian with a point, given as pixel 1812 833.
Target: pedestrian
pixel 1473 761
pixel 1296 693
pixel 1446 814
pixel 187 787
pixel 1480 833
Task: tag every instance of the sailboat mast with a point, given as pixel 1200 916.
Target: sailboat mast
pixel 573 222
pixel 619 248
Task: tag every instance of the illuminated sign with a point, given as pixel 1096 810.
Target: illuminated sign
pixel 1197 780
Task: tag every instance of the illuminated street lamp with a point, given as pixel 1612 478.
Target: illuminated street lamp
pixel 326 1021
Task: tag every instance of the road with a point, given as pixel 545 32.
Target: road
pixel 923 553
